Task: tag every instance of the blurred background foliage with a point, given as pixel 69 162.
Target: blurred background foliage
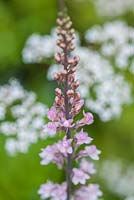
pixel 21 176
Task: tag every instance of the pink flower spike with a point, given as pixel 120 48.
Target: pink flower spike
pixel 93 152
pixel 79 176
pixel 82 138
pixel 87 167
pixel 52 113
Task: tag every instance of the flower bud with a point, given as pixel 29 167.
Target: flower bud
pixel 57 57
pixel 58 92
pixel 70 61
pixel 59 22
pixel 71 78
pixel 70 93
pixel 75 85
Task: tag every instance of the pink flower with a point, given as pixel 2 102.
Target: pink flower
pixel 94 191
pixel 90 192
pixel 57 152
pixel 86 120
pixel 52 154
pixel 64 146
pixel 67 123
pixel 52 113
pixel 90 151
pixel 82 138
pixel 59 192
pixel 47 154
pixel 50 129
pixel 87 167
pixel 93 152
pixel 79 176
pixel 46 190
pixel 79 104
pixel 54 191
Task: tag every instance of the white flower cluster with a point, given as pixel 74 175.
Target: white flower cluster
pixel 21 117
pixel 116 41
pixel 97 82
pixel 119 178
pixel 38 47
pixel 114 8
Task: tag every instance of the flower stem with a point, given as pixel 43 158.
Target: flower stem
pixel 68 133
pixel 61 5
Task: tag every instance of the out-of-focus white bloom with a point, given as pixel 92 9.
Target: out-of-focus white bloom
pixel 130 198
pixel 96 74
pixel 119 178
pixel 22 117
pixel 116 41
pixel 97 83
pixel 40 47
pixel 2 111
pixel 113 8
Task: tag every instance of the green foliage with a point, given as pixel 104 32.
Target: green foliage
pixel 19 19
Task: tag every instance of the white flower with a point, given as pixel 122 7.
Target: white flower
pixel 114 45
pixel 113 8
pixel 122 180
pixel 27 116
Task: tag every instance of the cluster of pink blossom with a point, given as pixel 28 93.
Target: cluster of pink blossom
pixel 75 144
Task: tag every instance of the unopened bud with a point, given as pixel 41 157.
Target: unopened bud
pixel 70 61
pixel 63 32
pixel 59 22
pixel 58 92
pixel 70 93
pixel 77 96
pixel 68 25
pixel 73 69
pixel 72 47
pixel 62 45
pixel 71 78
pixel 56 76
pixel 75 85
pixel 64 72
pixel 57 57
